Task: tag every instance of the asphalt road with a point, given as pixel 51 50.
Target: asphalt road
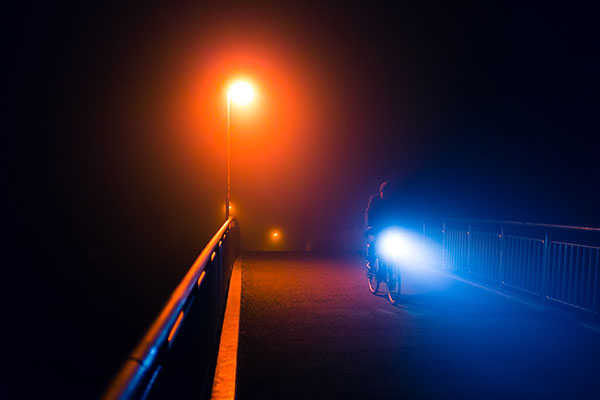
pixel 309 328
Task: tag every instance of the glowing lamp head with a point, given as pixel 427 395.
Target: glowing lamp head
pixel 392 245
pixel 275 236
pixel 241 92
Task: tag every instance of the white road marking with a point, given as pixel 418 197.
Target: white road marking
pixel 225 373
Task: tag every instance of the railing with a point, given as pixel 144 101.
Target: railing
pixel 554 263
pixel 176 356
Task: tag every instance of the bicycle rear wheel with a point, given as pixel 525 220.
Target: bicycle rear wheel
pixel 393 284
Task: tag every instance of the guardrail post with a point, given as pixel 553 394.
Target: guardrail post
pixel 545 266
pixel 444 241
pixel 220 272
pixel 469 251
pixel 500 264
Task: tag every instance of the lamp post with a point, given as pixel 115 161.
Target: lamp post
pixel 241 93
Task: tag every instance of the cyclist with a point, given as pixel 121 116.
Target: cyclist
pixel 381 213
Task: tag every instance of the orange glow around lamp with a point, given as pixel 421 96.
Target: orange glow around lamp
pixel 275 236
pixel 242 93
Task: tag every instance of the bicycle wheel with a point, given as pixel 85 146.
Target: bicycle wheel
pixel 393 284
pixel 373 279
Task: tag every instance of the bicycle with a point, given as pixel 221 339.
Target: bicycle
pixel 387 273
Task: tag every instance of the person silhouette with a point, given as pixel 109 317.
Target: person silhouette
pixel 380 213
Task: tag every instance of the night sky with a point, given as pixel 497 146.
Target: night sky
pixel 114 145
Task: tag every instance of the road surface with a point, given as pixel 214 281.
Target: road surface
pixel 309 328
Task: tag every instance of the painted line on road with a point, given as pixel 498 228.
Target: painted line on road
pixel 591 327
pixel 540 307
pixel 498 292
pixel 225 373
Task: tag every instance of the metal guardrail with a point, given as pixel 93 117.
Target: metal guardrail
pixel 554 263
pixel 176 356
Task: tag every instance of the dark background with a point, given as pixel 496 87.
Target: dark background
pixel 473 110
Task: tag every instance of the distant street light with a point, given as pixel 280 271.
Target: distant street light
pixel 241 93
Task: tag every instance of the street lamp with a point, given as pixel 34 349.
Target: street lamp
pixel 241 93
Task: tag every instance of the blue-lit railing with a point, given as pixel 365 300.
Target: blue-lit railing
pixel 176 356
pixel 554 263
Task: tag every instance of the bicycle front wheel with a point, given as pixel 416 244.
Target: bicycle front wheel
pixel 373 278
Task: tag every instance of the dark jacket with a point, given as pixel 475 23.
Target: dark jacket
pixel 380 214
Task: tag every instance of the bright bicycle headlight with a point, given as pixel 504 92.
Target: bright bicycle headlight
pixel 405 248
pixel 392 245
